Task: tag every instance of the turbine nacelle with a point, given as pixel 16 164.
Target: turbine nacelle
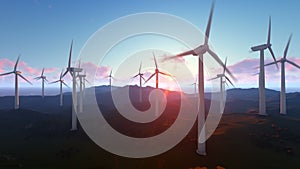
pixel 18 72
pixel 74 69
pixel 202 49
pixel 261 47
pixel 282 60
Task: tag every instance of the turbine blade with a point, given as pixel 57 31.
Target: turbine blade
pixel 46 80
pixel 226 84
pixel 70 55
pixel 287 46
pixel 135 76
pixel 54 82
pixel 294 64
pixel 155 60
pixel 150 77
pixel 272 63
pixel 37 78
pixel 225 66
pixel 16 64
pixel 166 74
pixel 143 77
pixel 25 79
pixel 3 74
pixel 273 55
pixel 269 32
pixel 43 72
pixel 88 81
pixel 209 79
pixel 209 23
pixel 61 74
pixel 65 84
pixel 229 81
pixel 140 68
pixel 215 56
pixel 190 52
pixel 65 73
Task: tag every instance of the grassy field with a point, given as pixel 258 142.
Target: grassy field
pixel 34 140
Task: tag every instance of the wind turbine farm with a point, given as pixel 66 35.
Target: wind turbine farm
pixel 150 85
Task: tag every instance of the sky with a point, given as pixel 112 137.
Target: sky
pixel 41 31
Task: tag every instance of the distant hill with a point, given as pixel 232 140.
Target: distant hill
pixel 238 100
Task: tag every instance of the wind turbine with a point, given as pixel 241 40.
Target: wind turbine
pixel 82 81
pixel 200 51
pixel 141 78
pixel 195 87
pixel 223 80
pixel 17 73
pixel 282 61
pixel 262 48
pixel 61 82
pixel 156 73
pixel 73 71
pixel 43 77
pixel 110 76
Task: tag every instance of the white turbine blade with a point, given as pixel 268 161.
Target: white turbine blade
pixel 155 60
pixel 215 56
pixel 229 81
pixel 88 81
pixel 61 74
pixel 225 66
pixel 37 78
pixel 294 64
pixel 140 68
pixel 272 63
pixel 65 73
pixel 226 83
pixel 209 23
pixel 150 77
pixel 273 55
pixel 210 79
pixel 43 72
pixel 269 32
pixel 65 84
pixel 135 76
pixel 287 46
pixel 3 74
pixel 70 55
pixel 16 64
pixel 142 77
pixel 166 74
pixel 190 52
pixel 25 79
pixel 54 82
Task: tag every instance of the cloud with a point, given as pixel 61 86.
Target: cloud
pixel 246 72
pixel 28 72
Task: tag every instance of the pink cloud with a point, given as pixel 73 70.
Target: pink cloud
pixel 246 69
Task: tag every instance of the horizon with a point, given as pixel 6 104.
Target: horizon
pixel 54 91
